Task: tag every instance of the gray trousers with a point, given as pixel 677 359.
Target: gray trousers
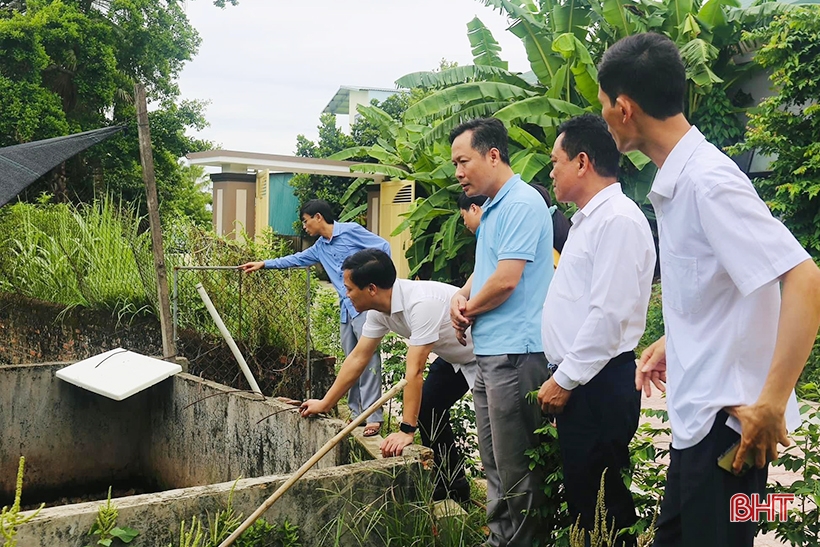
pixel 368 388
pixel 506 425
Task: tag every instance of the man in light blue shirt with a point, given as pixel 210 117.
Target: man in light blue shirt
pixel 502 301
pixel 337 241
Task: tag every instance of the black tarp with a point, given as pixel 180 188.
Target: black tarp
pixel 22 164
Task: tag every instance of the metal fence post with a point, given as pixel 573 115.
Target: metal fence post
pixel 175 304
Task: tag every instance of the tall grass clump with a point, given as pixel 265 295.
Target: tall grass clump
pixel 92 256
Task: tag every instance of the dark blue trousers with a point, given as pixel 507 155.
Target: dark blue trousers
pixel 594 432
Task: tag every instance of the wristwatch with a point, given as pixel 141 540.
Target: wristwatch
pixel 404 427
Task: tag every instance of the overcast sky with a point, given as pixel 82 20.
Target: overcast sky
pixel 270 67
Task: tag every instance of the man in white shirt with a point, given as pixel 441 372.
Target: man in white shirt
pixel 420 312
pixel 593 318
pixel 741 300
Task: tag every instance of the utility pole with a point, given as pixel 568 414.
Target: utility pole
pixel 147 159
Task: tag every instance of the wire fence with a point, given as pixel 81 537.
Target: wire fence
pixel 267 313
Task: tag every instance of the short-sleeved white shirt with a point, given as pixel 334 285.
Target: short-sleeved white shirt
pixel 721 255
pixel 420 312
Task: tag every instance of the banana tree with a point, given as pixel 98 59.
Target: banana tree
pixel 563 39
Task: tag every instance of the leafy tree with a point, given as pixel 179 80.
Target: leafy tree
pixel 787 124
pixel 70 65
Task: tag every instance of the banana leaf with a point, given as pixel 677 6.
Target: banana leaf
pixel 528 163
pixel 538 45
pixel 524 138
pixel 615 13
pixel 443 128
pixel 353 213
pixel 355 185
pixel 573 16
pixel 378 169
pixel 677 12
pixel 448 101
pixel 539 107
pixel 461 75
pixel 485 47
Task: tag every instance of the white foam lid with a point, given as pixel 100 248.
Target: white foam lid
pixel 118 374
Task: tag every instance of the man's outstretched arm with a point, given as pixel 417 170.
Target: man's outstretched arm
pixel 352 368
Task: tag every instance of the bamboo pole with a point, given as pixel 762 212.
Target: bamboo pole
pixel 311 462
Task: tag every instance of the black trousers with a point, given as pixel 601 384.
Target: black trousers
pixel 442 388
pixel 594 432
pixel 695 508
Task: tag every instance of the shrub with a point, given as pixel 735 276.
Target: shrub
pixel 786 124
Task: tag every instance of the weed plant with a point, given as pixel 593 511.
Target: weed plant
pixel 98 256
pixel 402 516
pixel 105 526
pixel 225 521
pixel 324 324
pixel 10 517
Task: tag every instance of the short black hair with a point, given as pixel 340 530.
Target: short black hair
pixel 648 69
pixel 464 201
pixel 370 266
pixel 588 133
pixel 488 133
pixel 320 206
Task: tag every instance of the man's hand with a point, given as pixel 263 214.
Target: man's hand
pixel 553 397
pixel 651 368
pixel 312 407
pixel 458 307
pixel 762 427
pixel 249 267
pixel 394 444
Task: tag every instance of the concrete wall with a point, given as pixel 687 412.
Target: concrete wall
pixel 77 441
pixel 217 438
pixel 312 503
pixel 73 440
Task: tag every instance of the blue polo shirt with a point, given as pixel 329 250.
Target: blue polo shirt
pixel 515 224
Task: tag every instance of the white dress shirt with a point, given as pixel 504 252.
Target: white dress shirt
pixel 596 304
pixel 420 312
pixel 721 254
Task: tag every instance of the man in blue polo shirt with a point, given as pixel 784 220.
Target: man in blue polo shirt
pixel 502 301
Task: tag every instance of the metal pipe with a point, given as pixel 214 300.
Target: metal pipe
pixel 176 304
pixel 207 268
pixel 228 338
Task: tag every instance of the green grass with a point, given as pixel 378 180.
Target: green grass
pixel 94 256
